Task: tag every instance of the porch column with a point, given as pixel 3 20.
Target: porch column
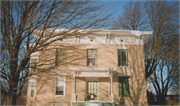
pixel 112 95
pixel 74 88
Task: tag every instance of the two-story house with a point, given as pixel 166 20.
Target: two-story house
pixel 94 67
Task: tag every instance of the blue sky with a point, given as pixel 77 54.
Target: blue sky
pixel 117 6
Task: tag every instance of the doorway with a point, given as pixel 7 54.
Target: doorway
pixel 92 90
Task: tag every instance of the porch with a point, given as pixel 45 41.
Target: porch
pixel 88 83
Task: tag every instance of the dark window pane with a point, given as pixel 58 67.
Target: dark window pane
pixel 32 93
pixel 59 90
pixel 91 57
pixel 123 54
pixel 88 61
pixel 126 87
pixel 123 87
pixel 91 62
pixel 119 54
pixel 33 65
pixel 122 61
pixel 120 88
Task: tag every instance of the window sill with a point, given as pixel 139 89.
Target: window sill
pixel 59 95
pixel 122 66
pixel 91 66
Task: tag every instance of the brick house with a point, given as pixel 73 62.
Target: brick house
pixel 100 67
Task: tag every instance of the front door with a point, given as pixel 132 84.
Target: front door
pixel 92 90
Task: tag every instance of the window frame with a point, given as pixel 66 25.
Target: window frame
pixel 56 62
pixel 35 65
pixel 91 58
pixel 123 89
pixel 30 82
pixel 55 86
pixel 126 50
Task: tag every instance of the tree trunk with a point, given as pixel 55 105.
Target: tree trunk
pixel 13 80
pixel 161 99
pixel 11 99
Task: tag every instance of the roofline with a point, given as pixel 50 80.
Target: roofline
pixel 102 31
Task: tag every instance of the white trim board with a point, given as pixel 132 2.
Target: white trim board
pixel 123 75
pixel 91 69
pixel 91 47
pixel 122 47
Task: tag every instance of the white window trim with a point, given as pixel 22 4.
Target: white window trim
pixel 64 86
pixel 35 54
pixel 91 47
pixel 30 82
pixel 122 47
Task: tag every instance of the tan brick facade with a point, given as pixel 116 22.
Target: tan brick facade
pixel 76 56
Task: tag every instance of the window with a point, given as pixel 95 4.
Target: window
pixel 122 57
pixel 123 87
pixel 33 65
pixel 32 89
pixel 60 56
pixel 60 85
pixel 91 57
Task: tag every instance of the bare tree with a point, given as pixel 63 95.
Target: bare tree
pixel 133 17
pixel 164 78
pixel 163 18
pixel 161 51
pixel 19 19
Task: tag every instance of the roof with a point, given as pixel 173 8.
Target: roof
pixel 95 31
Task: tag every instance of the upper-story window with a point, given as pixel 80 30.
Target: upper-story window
pixel 60 56
pixel 122 57
pixel 33 65
pixel 91 57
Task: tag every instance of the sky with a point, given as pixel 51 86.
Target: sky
pixel 117 6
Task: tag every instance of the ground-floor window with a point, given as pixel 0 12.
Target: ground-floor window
pixel 32 89
pixel 59 85
pixel 124 87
